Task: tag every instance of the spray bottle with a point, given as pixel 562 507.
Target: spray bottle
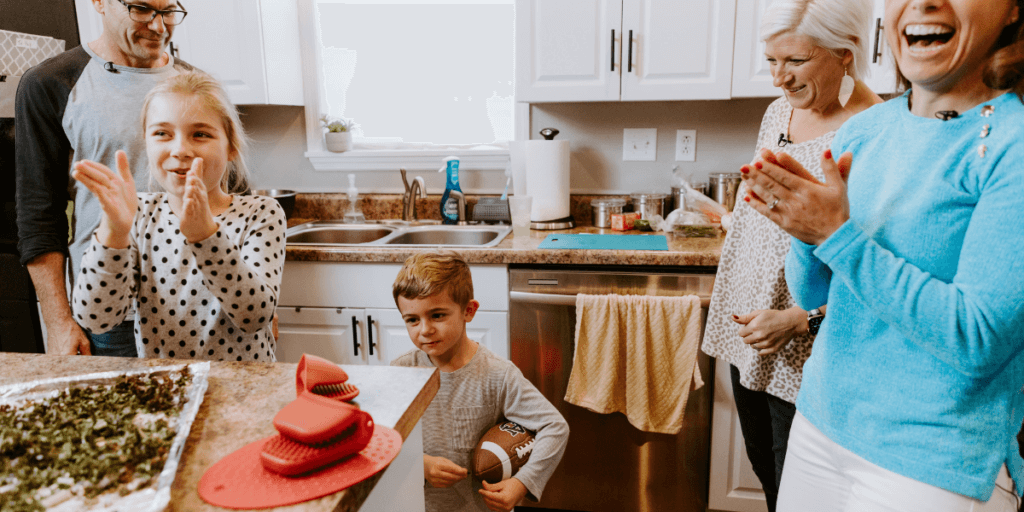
pixel 450 205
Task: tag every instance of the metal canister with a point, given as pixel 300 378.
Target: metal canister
pixel 603 208
pixel 649 204
pixel 722 188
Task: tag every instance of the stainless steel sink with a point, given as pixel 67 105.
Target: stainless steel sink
pixel 449 235
pixel 332 233
pixel 395 233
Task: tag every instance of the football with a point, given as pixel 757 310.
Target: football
pixel 501 451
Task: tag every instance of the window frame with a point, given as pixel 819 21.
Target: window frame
pixel 413 158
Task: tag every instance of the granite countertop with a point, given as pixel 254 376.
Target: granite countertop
pixel 239 405
pixel 682 251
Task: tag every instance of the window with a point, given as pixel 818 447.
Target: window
pixel 419 76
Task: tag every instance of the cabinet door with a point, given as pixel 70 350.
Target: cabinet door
pixel 490 329
pixel 224 38
pixel 568 50
pixel 751 76
pixel 733 486
pixel 335 334
pixel 681 50
pixel 883 69
pixel 387 337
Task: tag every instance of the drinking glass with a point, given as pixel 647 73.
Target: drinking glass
pixel 519 207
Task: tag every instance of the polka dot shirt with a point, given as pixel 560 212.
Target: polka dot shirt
pixel 212 299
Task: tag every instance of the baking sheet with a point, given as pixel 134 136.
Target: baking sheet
pixel 148 499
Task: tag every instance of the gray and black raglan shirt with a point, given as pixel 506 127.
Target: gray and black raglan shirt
pixel 68 108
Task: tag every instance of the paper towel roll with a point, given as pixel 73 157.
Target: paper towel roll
pixel 547 179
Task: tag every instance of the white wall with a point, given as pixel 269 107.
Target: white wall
pixel 726 135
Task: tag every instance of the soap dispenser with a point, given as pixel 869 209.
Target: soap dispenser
pixel 449 204
pixel 353 215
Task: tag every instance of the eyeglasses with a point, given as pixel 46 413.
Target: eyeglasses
pixel 145 14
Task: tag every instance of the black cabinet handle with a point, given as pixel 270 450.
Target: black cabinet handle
pixel 369 333
pixel 629 69
pixel 613 49
pixel 878 37
pixel 355 336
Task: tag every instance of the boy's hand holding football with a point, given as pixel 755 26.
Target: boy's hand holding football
pixel 441 472
pixel 504 495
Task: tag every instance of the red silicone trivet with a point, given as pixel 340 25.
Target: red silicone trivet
pixel 239 480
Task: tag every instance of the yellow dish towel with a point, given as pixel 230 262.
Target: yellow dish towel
pixel 636 354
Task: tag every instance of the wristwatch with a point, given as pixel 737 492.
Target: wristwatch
pixel 814 319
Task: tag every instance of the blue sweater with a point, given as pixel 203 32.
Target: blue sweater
pixel 919 364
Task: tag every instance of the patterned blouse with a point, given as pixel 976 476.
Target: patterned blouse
pixel 212 299
pixel 751 275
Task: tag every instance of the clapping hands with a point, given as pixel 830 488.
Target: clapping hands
pixel 785 192
pixel 196 218
pixel 116 194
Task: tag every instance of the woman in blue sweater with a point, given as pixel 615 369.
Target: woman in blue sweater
pixel 914 393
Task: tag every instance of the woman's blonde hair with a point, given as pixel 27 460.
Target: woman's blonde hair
pixel 427 274
pixel 834 25
pixel 207 89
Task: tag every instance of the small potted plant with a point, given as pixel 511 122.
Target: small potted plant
pixel 338 137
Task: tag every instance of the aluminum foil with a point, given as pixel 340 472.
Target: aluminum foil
pixel 148 498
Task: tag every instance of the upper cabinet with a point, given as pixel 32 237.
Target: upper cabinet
pixel 883 69
pixel 610 50
pixel 250 46
pixel 630 50
pixel 752 78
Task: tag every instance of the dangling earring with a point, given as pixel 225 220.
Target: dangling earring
pixel 845 88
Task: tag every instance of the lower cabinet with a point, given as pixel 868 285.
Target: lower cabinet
pixel 345 313
pixel 733 486
pixel 367 336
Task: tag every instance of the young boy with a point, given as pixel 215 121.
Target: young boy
pixel 434 293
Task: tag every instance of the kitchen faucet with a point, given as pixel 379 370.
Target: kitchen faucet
pixel 409 197
pixel 461 198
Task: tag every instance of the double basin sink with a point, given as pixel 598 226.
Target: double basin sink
pixel 395 233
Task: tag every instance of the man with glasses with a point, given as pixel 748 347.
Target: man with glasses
pixel 85 104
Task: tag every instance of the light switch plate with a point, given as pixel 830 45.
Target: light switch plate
pixel 640 144
pixel 686 145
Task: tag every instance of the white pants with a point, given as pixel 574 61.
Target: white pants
pixel 821 476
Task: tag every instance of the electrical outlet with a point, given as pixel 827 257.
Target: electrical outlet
pixel 640 144
pixel 686 145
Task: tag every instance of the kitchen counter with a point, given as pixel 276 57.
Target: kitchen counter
pixel 682 251
pixel 238 407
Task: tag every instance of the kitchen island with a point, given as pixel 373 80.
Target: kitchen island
pixel 240 404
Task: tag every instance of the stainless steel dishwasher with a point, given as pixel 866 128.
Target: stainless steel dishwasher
pixel 609 465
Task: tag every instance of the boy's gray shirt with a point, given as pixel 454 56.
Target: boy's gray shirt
pixel 471 400
pixel 71 107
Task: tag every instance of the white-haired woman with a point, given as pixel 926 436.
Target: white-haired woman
pixel 817 50
pixel 913 397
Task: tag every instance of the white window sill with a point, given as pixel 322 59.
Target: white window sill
pixel 419 160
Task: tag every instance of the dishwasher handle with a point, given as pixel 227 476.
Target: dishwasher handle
pixel 556 299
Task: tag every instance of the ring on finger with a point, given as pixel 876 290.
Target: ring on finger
pixel 771 205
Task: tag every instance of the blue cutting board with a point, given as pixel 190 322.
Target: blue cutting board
pixel 606 242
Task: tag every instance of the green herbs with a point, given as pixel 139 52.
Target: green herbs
pixel 88 441
pixel 696 231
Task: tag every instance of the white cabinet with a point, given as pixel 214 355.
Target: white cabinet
pixel 342 335
pixel 883 69
pixel 251 46
pixel 607 50
pixel 345 312
pixel 732 486
pixel 752 78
